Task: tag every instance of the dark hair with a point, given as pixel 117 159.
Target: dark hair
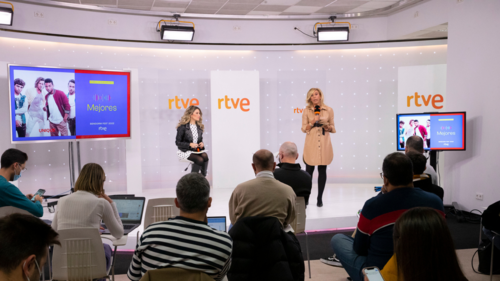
pixel 416 143
pixel 38 81
pixel 423 247
pixel 48 80
pixel 263 159
pixel 72 81
pixel 397 168
pixel 19 81
pixel 11 156
pixel 416 121
pixel 419 162
pixel 21 236
pixel 401 122
pixel 193 191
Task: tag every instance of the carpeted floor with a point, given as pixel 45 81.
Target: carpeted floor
pixel 465 236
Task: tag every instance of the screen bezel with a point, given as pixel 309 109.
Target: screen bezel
pixel 143 199
pixel 69 140
pixel 220 217
pixel 435 113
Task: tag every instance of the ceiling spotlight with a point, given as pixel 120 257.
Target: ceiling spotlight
pixel 6 14
pixel 176 32
pixel 333 34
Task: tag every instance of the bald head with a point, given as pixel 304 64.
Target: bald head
pixel 288 152
pixel 263 160
pixel 414 143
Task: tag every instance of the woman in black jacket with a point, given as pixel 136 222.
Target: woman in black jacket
pixel 189 139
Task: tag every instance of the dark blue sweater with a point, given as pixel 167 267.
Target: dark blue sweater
pixel 374 236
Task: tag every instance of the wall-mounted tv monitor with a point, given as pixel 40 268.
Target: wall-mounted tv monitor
pixel 60 104
pixel 440 131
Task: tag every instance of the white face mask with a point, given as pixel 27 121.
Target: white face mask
pixel 37 267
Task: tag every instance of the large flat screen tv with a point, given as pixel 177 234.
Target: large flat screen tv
pixel 61 104
pixel 440 131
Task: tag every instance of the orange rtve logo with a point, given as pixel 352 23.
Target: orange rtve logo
pixel 194 102
pixel 434 100
pixel 244 102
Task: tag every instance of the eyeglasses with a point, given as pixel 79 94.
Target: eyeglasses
pixel 382 175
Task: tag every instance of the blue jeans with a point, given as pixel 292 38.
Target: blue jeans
pixel 353 263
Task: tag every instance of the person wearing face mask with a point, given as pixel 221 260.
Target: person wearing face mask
pixel 317 123
pixel 24 243
pixel 13 163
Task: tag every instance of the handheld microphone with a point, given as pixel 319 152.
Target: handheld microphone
pixel 198 149
pixel 317 110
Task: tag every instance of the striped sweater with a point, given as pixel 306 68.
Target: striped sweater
pixel 374 236
pixel 182 243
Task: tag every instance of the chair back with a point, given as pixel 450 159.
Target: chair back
pixel 299 224
pixel 80 256
pixel 8 210
pixel 162 212
pixel 175 274
pixel 149 217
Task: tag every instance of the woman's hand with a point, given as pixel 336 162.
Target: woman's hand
pixel 193 145
pixel 308 128
pixel 201 145
pixel 103 195
pixel 326 128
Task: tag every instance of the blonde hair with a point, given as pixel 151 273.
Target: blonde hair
pixel 309 94
pixel 186 118
pixel 91 179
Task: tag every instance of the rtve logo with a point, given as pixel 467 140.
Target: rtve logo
pixel 194 102
pixel 244 102
pixel 434 100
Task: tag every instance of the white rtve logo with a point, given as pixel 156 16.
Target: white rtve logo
pixel 103 128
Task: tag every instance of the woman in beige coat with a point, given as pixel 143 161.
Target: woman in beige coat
pixel 317 123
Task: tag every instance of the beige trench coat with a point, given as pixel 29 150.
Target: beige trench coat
pixel 318 147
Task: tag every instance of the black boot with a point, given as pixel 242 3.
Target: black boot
pixel 195 168
pixel 204 167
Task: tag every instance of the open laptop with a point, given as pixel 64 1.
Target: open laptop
pixel 130 210
pixel 218 223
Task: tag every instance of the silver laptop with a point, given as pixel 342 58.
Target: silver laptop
pixel 130 210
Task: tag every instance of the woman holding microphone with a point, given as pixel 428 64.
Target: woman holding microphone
pixel 317 123
pixel 189 139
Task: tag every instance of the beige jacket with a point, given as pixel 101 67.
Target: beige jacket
pixel 263 197
pixel 318 147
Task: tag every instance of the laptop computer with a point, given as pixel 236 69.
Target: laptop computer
pixel 218 223
pixel 130 210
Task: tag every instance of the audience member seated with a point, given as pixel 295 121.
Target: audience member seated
pixel 423 249
pixel 263 251
pixel 372 244
pixel 24 244
pixel 13 163
pixel 491 222
pixel 263 196
pixel 88 206
pixel 416 144
pixel 420 179
pixel 290 172
pixel 186 241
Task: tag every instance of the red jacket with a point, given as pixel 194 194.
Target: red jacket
pixel 422 130
pixel 61 100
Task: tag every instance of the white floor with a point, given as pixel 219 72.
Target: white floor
pixel 341 203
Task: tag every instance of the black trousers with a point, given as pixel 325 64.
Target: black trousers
pixel 21 131
pixel 72 126
pixel 321 179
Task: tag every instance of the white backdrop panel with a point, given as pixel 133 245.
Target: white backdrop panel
pixel 235 128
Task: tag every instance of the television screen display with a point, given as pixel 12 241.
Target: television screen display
pixel 59 104
pixel 440 131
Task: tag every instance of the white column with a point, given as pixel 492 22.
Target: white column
pixel 133 145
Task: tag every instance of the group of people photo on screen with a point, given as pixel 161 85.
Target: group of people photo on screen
pixel 44 106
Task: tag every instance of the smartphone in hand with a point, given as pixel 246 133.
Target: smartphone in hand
pixel 372 273
pixel 40 192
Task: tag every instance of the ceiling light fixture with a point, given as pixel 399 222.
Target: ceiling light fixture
pixel 176 32
pixel 6 14
pixel 332 34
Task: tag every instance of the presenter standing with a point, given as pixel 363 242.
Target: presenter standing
pixel 317 123
pixel 189 139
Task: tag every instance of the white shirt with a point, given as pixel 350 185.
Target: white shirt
pixel 409 130
pixel 430 170
pixel 84 209
pixel 55 115
pixel 71 99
